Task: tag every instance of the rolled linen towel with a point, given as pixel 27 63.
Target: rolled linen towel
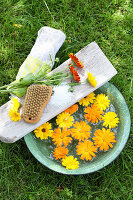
pixel 47 44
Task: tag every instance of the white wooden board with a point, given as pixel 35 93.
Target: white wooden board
pixel 94 61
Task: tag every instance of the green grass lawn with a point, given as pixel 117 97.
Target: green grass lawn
pixel 107 22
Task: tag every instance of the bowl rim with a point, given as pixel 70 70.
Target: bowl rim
pixel 60 169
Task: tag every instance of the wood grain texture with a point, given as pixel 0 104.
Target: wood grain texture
pixel 94 61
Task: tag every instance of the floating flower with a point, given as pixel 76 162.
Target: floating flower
pixel 110 119
pixel 103 139
pixel 60 152
pixel 44 131
pixel 15 104
pixel 64 120
pixel 61 137
pixel 91 79
pixel 102 101
pixel 76 60
pixel 81 130
pixel 93 114
pixel 72 109
pixel 86 149
pixel 88 99
pixel 70 162
pixel 15 116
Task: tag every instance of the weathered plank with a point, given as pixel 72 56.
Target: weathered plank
pixel 94 61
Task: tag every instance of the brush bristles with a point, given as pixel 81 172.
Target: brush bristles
pixel 35 98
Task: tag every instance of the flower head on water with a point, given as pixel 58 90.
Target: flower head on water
pixel 44 131
pixel 102 101
pixel 60 152
pixel 72 109
pixel 61 137
pixel 86 149
pixel 81 130
pixel 88 99
pixel 104 139
pixel 93 114
pixel 110 119
pixel 91 79
pixel 70 162
pixel 64 120
pixel 15 116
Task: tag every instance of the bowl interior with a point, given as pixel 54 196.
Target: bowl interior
pixel 42 151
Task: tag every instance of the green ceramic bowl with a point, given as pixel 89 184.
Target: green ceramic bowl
pixel 42 151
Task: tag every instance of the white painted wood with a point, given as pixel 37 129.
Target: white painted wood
pixel 94 61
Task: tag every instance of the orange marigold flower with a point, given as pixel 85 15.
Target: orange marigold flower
pixel 86 149
pixel 93 114
pixel 76 60
pixel 72 109
pixel 60 137
pixel 76 76
pixel 81 130
pixel 60 152
pixel 72 69
pixel 103 139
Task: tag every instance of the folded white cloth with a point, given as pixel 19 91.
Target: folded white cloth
pixel 47 44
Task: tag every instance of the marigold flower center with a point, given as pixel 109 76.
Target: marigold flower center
pixel 43 130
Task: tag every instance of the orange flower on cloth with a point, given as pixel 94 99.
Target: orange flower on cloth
pixel 91 79
pixel 81 130
pixel 110 119
pixel 60 152
pixel 86 149
pixel 70 162
pixel 61 137
pixel 76 60
pixel 102 101
pixel 93 114
pixel 103 139
pixel 64 120
pixel 44 131
pixel 72 109
pixel 88 99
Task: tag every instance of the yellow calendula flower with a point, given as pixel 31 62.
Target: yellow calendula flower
pixel 88 99
pixel 15 116
pixel 102 101
pixel 61 137
pixel 44 131
pixel 70 162
pixel 86 149
pixel 64 120
pixel 110 119
pixel 80 130
pixel 91 79
pixel 15 104
pixel 103 139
